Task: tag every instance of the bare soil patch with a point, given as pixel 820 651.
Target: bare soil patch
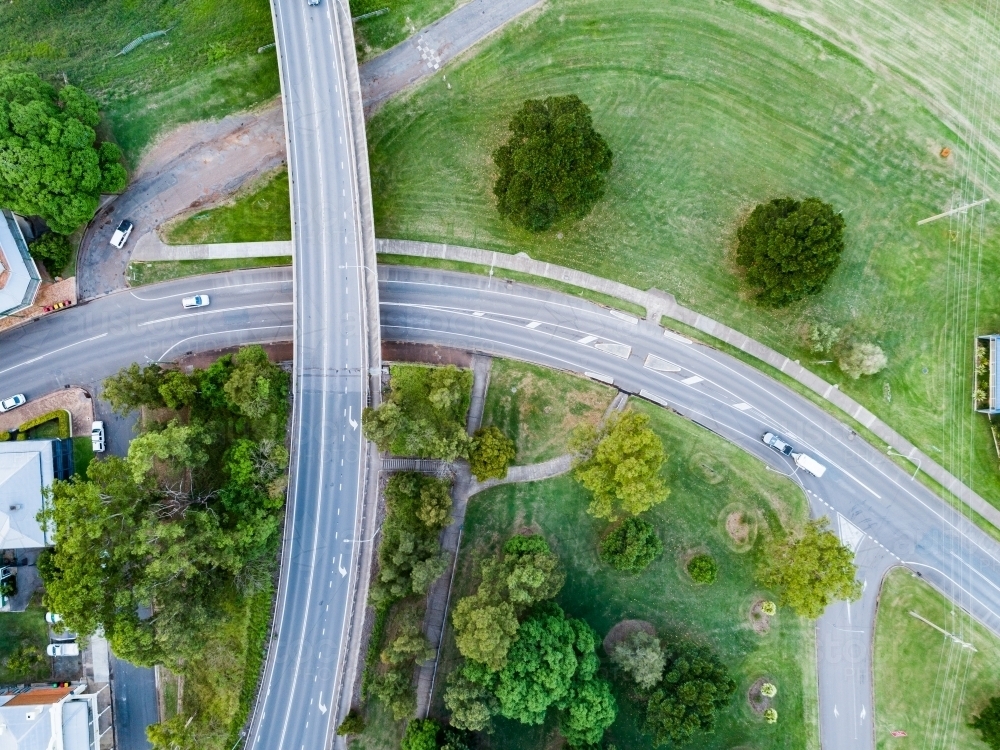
pixel 397 351
pixel 759 703
pixel 741 524
pixel 623 630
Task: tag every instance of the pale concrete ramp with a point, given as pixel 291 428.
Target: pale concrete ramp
pixel 150 248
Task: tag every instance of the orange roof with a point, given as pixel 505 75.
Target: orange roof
pixel 39 697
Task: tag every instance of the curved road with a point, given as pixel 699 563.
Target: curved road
pixel 874 505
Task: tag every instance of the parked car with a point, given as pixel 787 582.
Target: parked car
pixel 773 441
pixel 313 2
pixel 13 402
pixel 62 649
pixel 199 300
pixel 120 237
pixel 52 618
pixel 62 636
pixel 8 571
pixel 97 437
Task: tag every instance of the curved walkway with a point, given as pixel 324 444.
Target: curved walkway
pixel 660 304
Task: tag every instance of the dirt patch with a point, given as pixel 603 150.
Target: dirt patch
pixel 741 525
pixel 396 351
pixel 623 630
pixel 738 528
pixel 759 703
pixel 759 621
pixel 277 353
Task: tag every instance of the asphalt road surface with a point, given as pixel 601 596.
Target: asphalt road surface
pixel 134 692
pixel 874 505
pixel 299 701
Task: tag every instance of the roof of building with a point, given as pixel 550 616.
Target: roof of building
pixel 25 469
pixel 39 697
pixel 37 720
pixel 19 278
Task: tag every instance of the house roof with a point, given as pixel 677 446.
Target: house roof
pixel 48 719
pixel 25 469
pixel 39 697
pixel 19 278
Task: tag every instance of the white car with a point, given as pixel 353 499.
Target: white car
pixel 13 402
pixel 62 649
pixel 7 572
pixel 120 237
pixel 199 300
pixel 97 437
pixel 52 618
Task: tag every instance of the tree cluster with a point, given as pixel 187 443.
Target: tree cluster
pixel 631 546
pixel 620 465
pixel 392 685
pixel 53 250
pixel 789 248
pixel 424 414
pixel 52 166
pixel 810 571
pixel 428 734
pixel 523 654
pixel 191 515
pixel 553 166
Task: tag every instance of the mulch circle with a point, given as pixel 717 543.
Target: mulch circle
pixel 760 622
pixel 623 630
pixel 759 703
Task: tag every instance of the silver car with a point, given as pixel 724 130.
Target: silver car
pixel 199 300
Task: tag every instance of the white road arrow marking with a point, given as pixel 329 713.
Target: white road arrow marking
pixel 836 713
pixel 350 417
pixel 322 708
pixel 863 713
pixel 340 566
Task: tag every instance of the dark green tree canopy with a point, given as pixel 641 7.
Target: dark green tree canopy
pixel 49 164
pixel 553 165
pixel 54 250
pixel 631 546
pixel 788 248
pixel 492 452
pixel 988 723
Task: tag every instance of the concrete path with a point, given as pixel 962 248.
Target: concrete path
pixel 150 248
pixel 197 165
pixel 660 304
pixel 424 53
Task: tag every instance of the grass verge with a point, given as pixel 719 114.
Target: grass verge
pixel 538 408
pixel 926 684
pixel 710 109
pixel 392 21
pixel 140 273
pixel 604 300
pixel 83 454
pixel 260 213
pixel 709 478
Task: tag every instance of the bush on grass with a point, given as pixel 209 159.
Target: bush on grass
pixel 788 249
pixel 492 452
pixel 421 734
pixel 703 569
pixel 353 723
pixel 26 659
pixel 553 165
pixel 60 416
pixel 54 250
pixel 641 658
pixel 771 716
pixel 862 359
pixel 632 546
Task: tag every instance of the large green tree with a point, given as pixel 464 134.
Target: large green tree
pixel 631 546
pixel 987 722
pixel 553 166
pixel 695 686
pixel 620 465
pixel 789 248
pixel 641 658
pixel 810 571
pixel 49 163
pixel 54 250
pixel 492 452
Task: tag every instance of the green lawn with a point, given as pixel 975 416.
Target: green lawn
pixel 538 408
pixel 206 66
pixel 140 274
pixel 17 628
pixel 83 454
pixel 378 33
pixel 925 684
pixel 710 108
pixel 261 213
pixel 709 478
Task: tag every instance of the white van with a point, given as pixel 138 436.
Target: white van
pixel 97 436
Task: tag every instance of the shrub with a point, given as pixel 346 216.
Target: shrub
pixel 492 452
pixel 553 165
pixel 631 546
pixel 702 569
pixel 353 723
pixel 769 608
pixel 822 337
pixel 421 734
pixel 26 659
pixel 59 415
pixel 862 359
pixel 641 657
pixel 54 250
pixel 768 690
pixel 771 716
pixel 788 248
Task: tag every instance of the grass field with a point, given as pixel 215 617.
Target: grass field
pixel 925 684
pixel 538 408
pixel 378 33
pixel 710 108
pixel 709 478
pixel 18 628
pixel 83 454
pixel 206 66
pixel 260 213
pixel 140 274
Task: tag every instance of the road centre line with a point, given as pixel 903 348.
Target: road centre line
pixel 209 289
pixel 54 351
pixel 213 312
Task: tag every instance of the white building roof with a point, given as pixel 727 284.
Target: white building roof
pixel 25 468
pixel 67 722
pixel 19 277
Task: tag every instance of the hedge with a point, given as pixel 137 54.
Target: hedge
pixel 60 415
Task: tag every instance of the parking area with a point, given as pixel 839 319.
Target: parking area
pixel 75 400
